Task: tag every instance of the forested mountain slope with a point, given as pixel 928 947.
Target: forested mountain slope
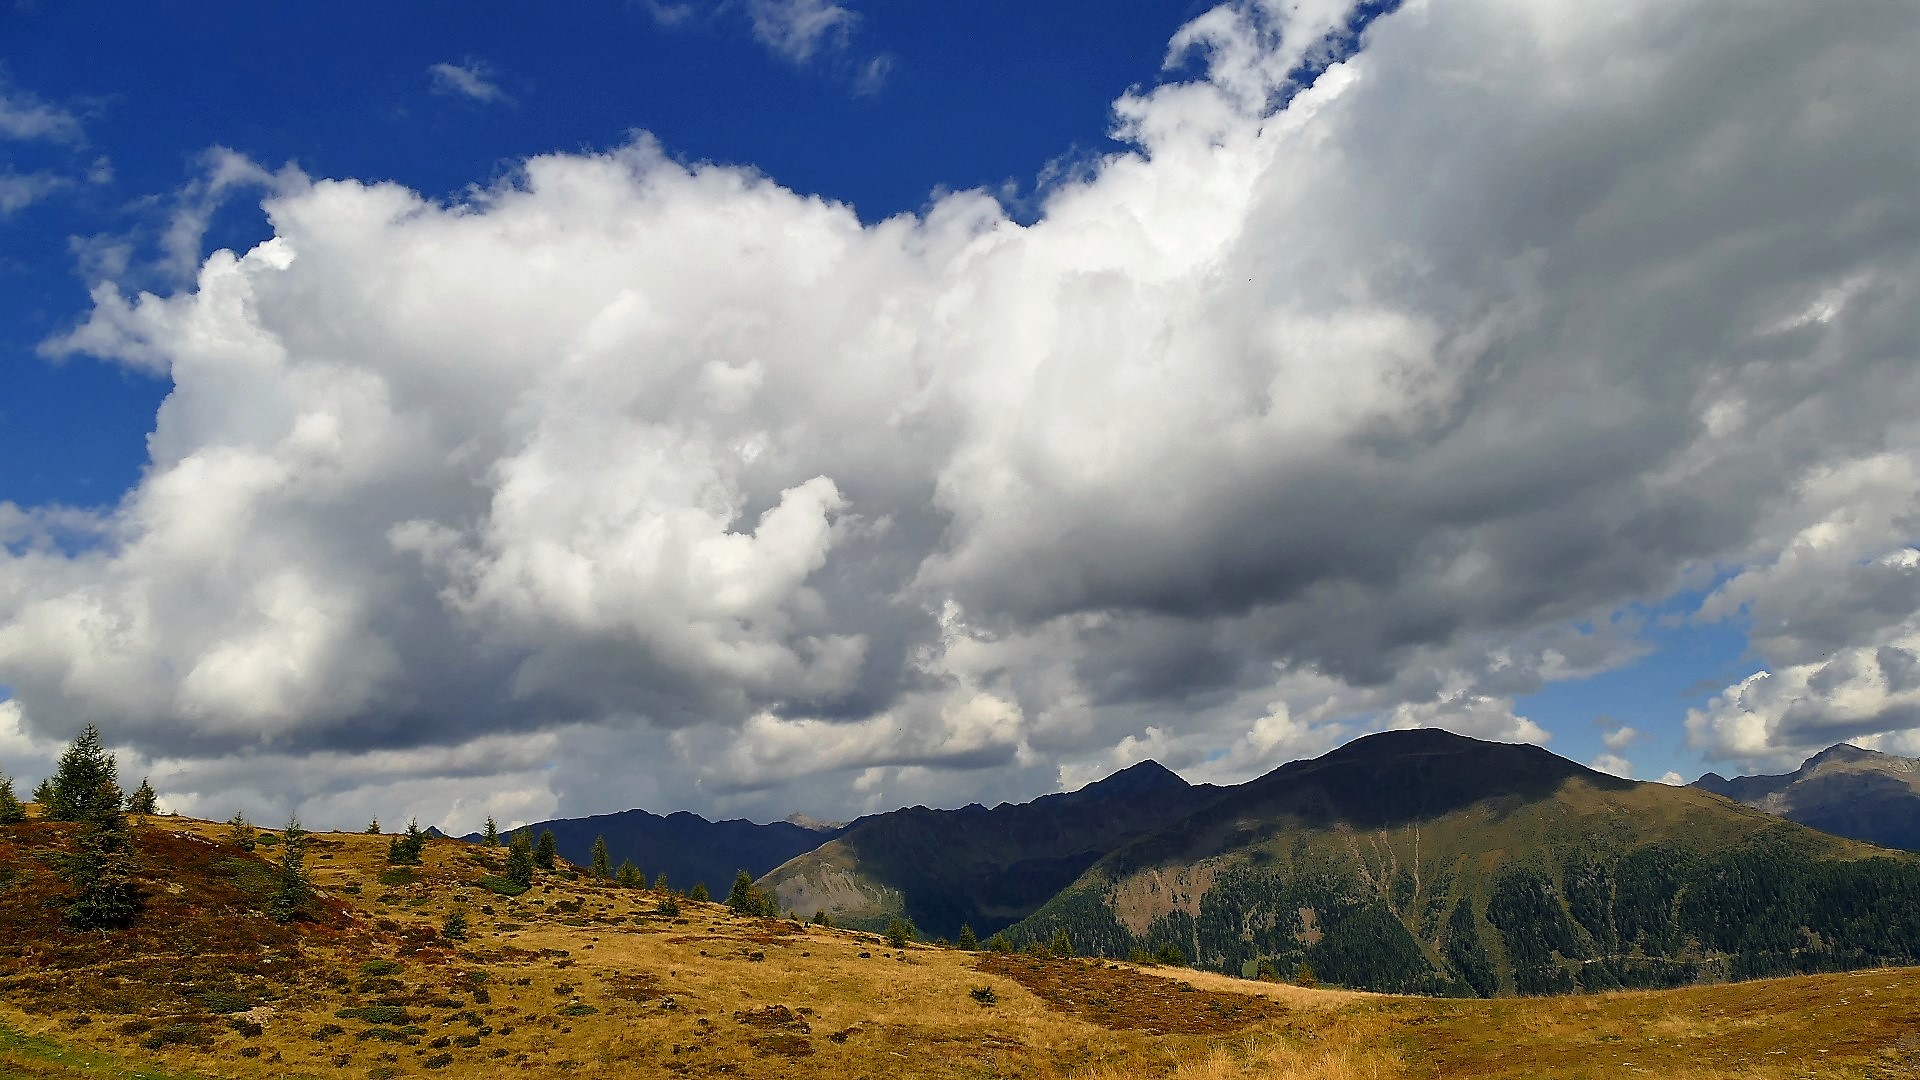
pixel 1429 862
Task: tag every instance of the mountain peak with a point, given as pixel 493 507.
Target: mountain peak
pixel 1143 778
pixel 1842 752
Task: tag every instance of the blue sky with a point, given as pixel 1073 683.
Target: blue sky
pixel 760 405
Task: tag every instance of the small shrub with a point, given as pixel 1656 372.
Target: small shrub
pixel 438 1061
pixel 455 926
pixel 501 886
pixel 224 1001
pixel 398 876
pixel 984 995
pixel 327 1031
pixel 249 1051
pixel 468 1040
pixel 177 1035
pixel 248 1029
pixel 442 1042
pixel 578 1008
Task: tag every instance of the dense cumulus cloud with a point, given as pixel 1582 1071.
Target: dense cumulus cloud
pixel 630 481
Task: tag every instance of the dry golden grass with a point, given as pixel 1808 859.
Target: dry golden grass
pixel 575 979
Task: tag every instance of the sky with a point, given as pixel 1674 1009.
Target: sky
pixel 770 406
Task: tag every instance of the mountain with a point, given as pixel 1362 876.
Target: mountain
pixel 1844 790
pixel 983 868
pixel 686 847
pixel 1422 861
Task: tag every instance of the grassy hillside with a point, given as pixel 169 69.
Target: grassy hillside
pixel 1427 862
pixel 575 978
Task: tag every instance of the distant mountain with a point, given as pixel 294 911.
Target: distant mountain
pixel 975 866
pixel 686 847
pixel 1844 790
pixel 1422 861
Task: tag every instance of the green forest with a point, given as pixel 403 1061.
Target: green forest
pixel 1584 919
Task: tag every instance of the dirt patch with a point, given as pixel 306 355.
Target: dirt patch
pixel 634 987
pixel 773 1017
pixel 1122 1000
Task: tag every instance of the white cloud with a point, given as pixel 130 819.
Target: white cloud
pixel 1613 763
pixel 24 116
pixel 472 79
pixel 21 190
pixel 798 29
pixel 1276 426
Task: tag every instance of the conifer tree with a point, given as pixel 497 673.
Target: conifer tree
pixel 967 941
pixel 669 906
pixel 545 851
pixel 740 899
pixel 660 883
pixel 699 892
pixel 86 785
pixel 491 835
pixel 405 849
pixel 520 859
pixel 373 827
pixel 629 876
pixel 454 928
pixel 899 932
pixel 143 798
pixel 11 812
pixel 293 888
pixel 43 794
pixel 1062 945
pixel 240 831
pixel 100 870
pixel 601 868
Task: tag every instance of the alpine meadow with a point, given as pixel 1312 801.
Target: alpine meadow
pixel 1095 540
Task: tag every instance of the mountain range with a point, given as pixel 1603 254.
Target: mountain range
pixel 1415 861
pixel 686 847
pixel 1843 790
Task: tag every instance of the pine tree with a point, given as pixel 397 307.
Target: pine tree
pixel 11 812
pixel 1062 945
pixel 491 835
pixel 629 876
pixel 240 831
pixel 100 870
pixel 373 827
pixel 899 932
pixel 405 849
pixel 699 892
pixel 660 883
pixel 821 918
pixel 601 868
pixel 967 940
pixel 740 899
pixel 143 798
pixel 669 906
pixel 1000 943
pixel 86 786
pixel 545 851
pixel 293 888
pixel 43 794
pixel 520 859
pixel 454 928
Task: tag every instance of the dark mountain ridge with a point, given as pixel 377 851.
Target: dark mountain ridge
pixel 978 867
pixel 686 847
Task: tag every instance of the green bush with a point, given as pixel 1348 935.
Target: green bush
pixel 224 1001
pixel 379 967
pixel 502 886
